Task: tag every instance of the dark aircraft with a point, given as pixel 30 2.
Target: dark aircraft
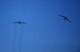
pixel 65 18
pixel 19 22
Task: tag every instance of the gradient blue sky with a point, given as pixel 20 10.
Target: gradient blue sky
pixel 45 30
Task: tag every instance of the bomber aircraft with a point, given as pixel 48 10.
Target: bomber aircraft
pixel 19 22
pixel 65 18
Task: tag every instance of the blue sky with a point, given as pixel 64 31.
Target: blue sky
pixel 45 30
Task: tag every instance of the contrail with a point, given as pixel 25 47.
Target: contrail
pixel 14 38
pixel 20 23
pixel 20 38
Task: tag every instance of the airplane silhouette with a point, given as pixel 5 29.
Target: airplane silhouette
pixel 19 22
pixel 65 18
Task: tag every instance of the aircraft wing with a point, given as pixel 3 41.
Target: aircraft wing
pixel 23 22
pixel 68 20
pixel 61 15
pixel 15 22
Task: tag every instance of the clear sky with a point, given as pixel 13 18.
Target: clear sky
pixel 45 30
